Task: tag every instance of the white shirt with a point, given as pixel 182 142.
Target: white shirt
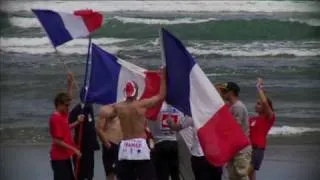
pixel 192 141
pixel 160 128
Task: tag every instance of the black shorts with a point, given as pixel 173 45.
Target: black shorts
pixel 136 169
pixel 110 158
pixel 203 170
pixel 86 165
pixel 257 158
pixel 62 169
pixel 166 160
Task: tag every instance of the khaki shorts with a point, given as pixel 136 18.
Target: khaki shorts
pixel 238 167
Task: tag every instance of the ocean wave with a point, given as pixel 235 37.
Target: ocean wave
pixel 187 20
pixel 198 48
pixel 310 22
pixel 231 29
pixel 290 130
pixel 43 50
pixel 24 22
pixel 31 42
pixel 166 6
pixel 256 52
pixel 27 22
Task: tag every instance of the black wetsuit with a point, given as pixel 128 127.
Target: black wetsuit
pixel 89 142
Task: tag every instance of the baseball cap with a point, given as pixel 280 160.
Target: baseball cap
pixel 231 86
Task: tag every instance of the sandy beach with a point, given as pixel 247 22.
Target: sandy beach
pixel 282 162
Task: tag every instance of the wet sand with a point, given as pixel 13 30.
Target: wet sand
pixel 282 162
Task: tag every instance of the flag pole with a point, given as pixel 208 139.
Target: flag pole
pixel 163 55
pixel 60 60
pixel 58 54
pixel 80 134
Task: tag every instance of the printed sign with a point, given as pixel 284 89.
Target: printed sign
pixel 165 117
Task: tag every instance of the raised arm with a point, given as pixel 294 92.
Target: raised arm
pixel 151 102
pixel 263 98
pixel 70 84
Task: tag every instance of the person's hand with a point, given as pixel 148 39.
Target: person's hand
pixel 259 83
pixel 78 153
pixel 70 78
pixel 107 144
pixel 221 88
pixel 81 118
pixel 163 70
pixel 151 143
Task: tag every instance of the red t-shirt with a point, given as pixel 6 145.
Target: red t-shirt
pixel 59 128
pixel 259 128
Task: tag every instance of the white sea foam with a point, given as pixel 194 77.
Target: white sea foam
pixel 166 6
pixel 236 52
pixel 186 20
pixel 31 42
pixel 24 22
pixel 201 48
pixel 42 50
pixel 310 22
pixel 27 22
pixel 290 130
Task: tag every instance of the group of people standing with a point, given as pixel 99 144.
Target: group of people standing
pixel 136 148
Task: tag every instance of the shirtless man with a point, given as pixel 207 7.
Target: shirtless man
pixel 110 134
pixel 134 153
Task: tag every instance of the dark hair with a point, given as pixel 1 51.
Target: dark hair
pixel 233 87
pixel 236 93
pixel 61 98
pixel 270 103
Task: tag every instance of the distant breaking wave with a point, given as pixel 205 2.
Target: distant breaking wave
pixel 197 28
pixel 162 21
pixel 31 42
pixel 289 130
pixel 257 53
pixel 198 48
pixel 166 6
pixel 26 22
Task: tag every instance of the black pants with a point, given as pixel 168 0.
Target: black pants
pixel 166 160
pixel 62 169
pixel 257 157
pixel 136 169
pixel 86 165
pixel 110 158
pixel 202 170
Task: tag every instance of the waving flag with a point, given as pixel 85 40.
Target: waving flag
pixel 109 75
pixel 191 92
pixel 63 27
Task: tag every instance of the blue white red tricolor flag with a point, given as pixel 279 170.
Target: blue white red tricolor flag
pixel 109 75
pixel 62 27
pixel 191 92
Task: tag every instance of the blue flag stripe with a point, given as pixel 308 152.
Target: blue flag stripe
pixel 53 25
pixel 104 77
pixel 179 64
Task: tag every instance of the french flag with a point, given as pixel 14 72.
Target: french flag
pixel 63 27
pixel 108 76
pixel 191 92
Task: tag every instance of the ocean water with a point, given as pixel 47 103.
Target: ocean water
pixel 231 40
